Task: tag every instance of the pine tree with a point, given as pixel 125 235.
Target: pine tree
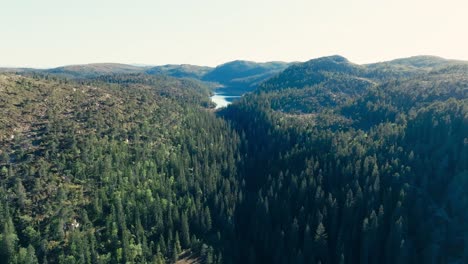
pixel 8 241
pixel 185 234
pixel 321 243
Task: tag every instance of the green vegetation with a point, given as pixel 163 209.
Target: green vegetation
pixel 326 162
pixel 93 70
pixel 112 170
pixel 180 71
pixel 355 164
pixel 238 77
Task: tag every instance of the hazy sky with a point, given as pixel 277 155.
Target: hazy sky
pixel 50 33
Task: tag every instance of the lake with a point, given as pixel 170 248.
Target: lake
pixel 223 100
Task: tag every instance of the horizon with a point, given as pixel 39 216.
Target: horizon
pixel 143 65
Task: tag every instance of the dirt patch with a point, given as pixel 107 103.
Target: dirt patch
pixel 188 257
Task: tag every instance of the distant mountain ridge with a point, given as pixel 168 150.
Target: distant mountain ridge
pixel 330 81
pixel 180 70
pixel 313 72
pixel 320 70
pixel 423 61
pixel 94 70
pixel 240 76
pixel 244 72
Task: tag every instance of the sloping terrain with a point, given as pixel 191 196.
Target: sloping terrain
pixel 180 71
pixel 119 169
pixel 243 76
pixel 94 70
pixel 235 77
pixel 356 164
pixel 326 162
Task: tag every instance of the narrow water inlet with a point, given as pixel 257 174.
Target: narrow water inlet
pixel 222 100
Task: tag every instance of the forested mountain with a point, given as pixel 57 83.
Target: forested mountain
pixel 243 76
pixel 120 169
pixel 93 70
pixel 350 166
pixel 236 77
pixel 81 71
pixel 423 62
pixel 181 71
pixel 314 72
pixel 16 70
pixel 326 162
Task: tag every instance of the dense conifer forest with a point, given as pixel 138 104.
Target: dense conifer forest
pixel 325 162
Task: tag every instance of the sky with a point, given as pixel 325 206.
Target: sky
pixel 50 33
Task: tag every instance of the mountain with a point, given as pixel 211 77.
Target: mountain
pixel 238 70
pixel 317 84
pixel 86 165
pixel 180 71
pixel 94 70
pixel 409 67
pixel 235 77
pixel 326 162
pixel 16 70
pixel 329 81
pixel 335 67
pixel 424 62
pixel 314 72
pixel 242 76
pixel 82 71
pixel 339 176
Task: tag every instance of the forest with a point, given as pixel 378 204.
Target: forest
pixel 325 162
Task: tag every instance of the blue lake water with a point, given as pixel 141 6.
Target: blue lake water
pixel 223 100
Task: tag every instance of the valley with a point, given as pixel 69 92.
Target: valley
pixel 234 132
pixel 323 161
pixel 223 100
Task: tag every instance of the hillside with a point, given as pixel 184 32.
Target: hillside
pixel 180 71
pixel 313 72
pixel 425 62
pixel 94 70
pixel 235 77
pixel 335 176
pixel 16 70
pixel 111 170
pixel 331 81
pixel 326 162
pixel 243 76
